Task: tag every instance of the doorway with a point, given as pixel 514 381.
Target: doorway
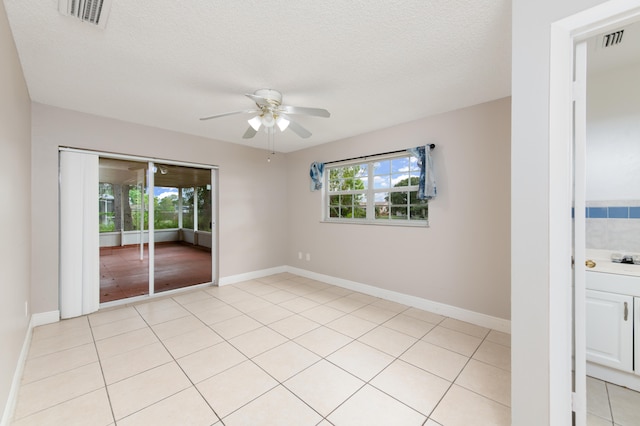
pixel 567 167
pixel 612 230
pixel 154 222
pixel 177 210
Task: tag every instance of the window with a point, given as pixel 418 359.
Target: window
pixel 381 190
pixel 119 207
pixel 202 197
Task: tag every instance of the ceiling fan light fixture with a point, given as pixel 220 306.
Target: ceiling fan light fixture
pixel 282 123
pixel 268 120
pixel 255 122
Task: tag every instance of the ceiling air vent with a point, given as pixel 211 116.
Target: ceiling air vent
pixel 612 39
pixel 92 11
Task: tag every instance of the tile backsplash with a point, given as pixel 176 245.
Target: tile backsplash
pixel 613 225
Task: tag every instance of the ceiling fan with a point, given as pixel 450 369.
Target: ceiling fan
pixel 271 113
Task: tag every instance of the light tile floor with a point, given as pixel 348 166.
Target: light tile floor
pixel 281 350
pixel 609 404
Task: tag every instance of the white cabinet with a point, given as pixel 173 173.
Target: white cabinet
pixel 610 329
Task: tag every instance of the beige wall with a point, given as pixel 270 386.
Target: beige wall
pixel 462 259
pixel 15 175
pixel 252 201
pixel 459 260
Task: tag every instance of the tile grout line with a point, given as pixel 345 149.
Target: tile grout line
pixel 175 361
pixel 248 359
pixel 304 369
pixel 368 382
pixel 606 387
pixel 104 379
pixel 279 383
pixel 395 359
pixel 398 359
pixel 354 339
pixel 63 372
pixel 451 384
pixel 458 375
pixel 371 302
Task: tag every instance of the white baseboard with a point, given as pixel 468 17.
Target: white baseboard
pixel 43 318
pixel 461 314
pixel 36 320
pixel 233 279
pixel 482 320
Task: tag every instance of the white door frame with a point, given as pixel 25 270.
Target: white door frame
pixel 565 34
pixel 579 238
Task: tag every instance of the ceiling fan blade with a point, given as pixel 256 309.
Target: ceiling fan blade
pixel 316 112
pixel 298 129
pixel 257 99
pixel 251 132
pixel 247 111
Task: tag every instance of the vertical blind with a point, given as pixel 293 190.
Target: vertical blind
pixel 79 238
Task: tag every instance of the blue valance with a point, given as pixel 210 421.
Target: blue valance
pixel 427 183
pixel 316 171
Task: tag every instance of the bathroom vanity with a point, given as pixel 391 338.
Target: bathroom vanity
pixel 613 322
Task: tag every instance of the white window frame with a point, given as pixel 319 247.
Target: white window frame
pixel 369 192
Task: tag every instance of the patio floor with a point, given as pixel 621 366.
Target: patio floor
pixel 177 265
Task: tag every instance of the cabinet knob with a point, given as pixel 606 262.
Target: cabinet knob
pixel 590 263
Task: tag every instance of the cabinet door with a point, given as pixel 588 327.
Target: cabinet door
pixel 610 329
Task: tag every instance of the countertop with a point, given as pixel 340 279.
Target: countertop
pixel 605 265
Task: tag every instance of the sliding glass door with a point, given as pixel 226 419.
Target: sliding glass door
pixel 155 227
pixel 124 257
pixel 182 222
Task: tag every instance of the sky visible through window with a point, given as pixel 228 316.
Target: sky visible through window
pixel 388 173
pixel 161 192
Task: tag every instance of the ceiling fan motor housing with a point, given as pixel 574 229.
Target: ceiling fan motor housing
pixel 272 96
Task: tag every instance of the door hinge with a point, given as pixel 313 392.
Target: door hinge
pixel 573 401
pixel 573 262
pixel 577 91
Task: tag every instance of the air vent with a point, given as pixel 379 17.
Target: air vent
pixel 612 39
pixel 92 11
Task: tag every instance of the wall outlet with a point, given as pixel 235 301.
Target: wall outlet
pixel 300 255
pixel 308 257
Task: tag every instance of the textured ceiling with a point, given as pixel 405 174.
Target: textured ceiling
pixel 165 63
